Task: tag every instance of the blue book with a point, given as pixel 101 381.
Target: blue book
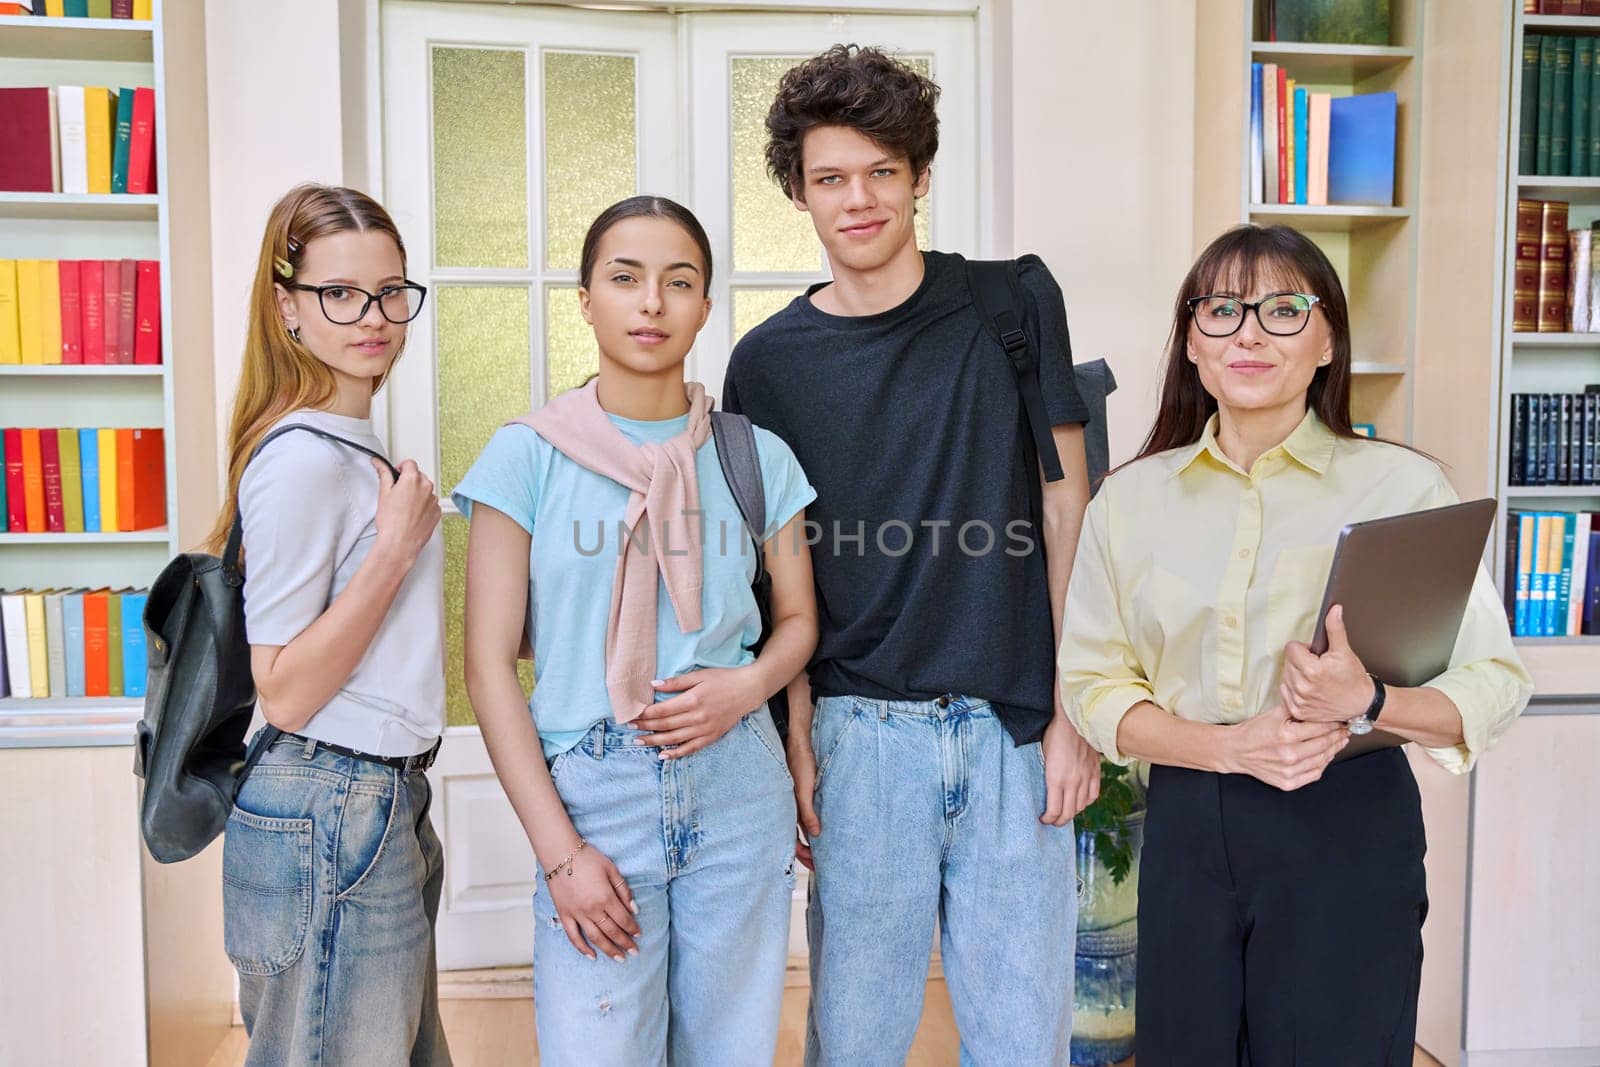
pixel 122 139
pixel 1258 163
pixel 89 471
pixel 133 652
pixel 1302 143
pixel 1563 598
pixel 1527 542
pixel 1591 596
pixel 1361 139
pixel 72 620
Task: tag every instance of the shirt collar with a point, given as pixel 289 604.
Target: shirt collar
pixel 1310 445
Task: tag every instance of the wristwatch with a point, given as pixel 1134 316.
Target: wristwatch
pixel 1363 725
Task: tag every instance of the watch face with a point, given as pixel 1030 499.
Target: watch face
pixel 1360 726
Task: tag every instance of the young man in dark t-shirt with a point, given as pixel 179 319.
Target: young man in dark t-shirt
pixel 936 774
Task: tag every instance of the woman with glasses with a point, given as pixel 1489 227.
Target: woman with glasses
pixel 1282 894
pixel 331 870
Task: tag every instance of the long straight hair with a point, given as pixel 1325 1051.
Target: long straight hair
pixel 643 207
pixel 279 374
pixel 1237 262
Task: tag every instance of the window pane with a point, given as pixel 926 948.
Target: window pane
pixel 570 354
pixel 752 307
pixel 589 145
pixel 768 233
pixel 480 152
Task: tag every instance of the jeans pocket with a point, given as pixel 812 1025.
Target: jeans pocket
pixel 266 891
pixel 759 723
pixel 365 827
pixel 830 723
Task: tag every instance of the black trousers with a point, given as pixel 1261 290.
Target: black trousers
pixel 1277 928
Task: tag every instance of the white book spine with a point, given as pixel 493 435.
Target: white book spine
pixel 1578 280
pixel 1580 574
pixel 13 618
pixel 74 139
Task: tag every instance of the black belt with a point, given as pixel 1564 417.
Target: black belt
pixel 405 764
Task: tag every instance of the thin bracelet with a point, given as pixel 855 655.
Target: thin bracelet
pixel 566 863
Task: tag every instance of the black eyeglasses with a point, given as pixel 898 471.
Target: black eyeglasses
pixel 344 305
pixel 1280 314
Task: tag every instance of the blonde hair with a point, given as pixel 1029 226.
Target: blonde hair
pixel 279 374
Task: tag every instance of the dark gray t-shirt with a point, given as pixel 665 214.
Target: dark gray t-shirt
pixel 929 573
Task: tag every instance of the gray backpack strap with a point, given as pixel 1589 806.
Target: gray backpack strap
pixel 741 467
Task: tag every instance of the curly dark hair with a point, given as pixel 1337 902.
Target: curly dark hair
pixel 863 89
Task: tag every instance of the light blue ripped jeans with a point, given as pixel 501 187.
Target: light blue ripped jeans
pixel 706 843
pixel 930 812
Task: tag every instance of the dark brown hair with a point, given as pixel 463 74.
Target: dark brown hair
pixel 860 88
pixel 1236 262
pixel 643 207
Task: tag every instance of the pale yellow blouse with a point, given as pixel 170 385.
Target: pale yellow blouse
pixel 1192 575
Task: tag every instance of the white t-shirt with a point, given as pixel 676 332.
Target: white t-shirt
pixel 309 508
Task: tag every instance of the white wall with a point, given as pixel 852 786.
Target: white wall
pixel 1102 131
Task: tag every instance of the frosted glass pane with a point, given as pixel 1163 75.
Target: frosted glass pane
pixel 590 159
pixel 570 354
pixel 480 153
pixel 483 369
pixel 768 233
pixel 458 709
pixel 752 307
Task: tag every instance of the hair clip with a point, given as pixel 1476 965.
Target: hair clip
pixel 294 244
pixel 283 266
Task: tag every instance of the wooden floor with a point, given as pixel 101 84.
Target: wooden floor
pixel 499 1033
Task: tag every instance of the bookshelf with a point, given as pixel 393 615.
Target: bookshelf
pixel 1541 362
pixel 1374 249
pixel 116 53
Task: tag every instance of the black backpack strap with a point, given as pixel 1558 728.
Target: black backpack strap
pixel 263 741
pixel 997 295
pixel 741 467
pixel 230 554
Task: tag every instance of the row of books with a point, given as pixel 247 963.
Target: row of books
pixel 83 480
pixel 1315 148
pixel 80 9
pixel 71 311
pixel 1555 438
pixel 73 643
pixel 1552 573
pixel 1559 125
pixel 1561 7
pixel 77 139
pixel 1552 290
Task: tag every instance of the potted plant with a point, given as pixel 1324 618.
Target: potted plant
pixel 1110 834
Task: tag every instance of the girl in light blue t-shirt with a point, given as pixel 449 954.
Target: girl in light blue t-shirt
pixel 649 776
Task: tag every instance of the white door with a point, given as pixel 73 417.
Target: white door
pixel 506 130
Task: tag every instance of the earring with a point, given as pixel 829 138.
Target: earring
pixel 294 332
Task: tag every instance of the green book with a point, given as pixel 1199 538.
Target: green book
pixel 76 9
pixel 1594 117
pixel 1333 21
pixel 1582 75
pixel 1561 110
pixel 114 643
pixel 71 480
pixel 1547 92
pixel 1528 125
pixel 99 9
pixel 121 140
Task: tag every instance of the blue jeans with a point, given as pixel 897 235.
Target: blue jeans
pixel 331 875
pixel 930 812
pixel 706 843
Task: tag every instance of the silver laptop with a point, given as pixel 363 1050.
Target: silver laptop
pixel 1404 582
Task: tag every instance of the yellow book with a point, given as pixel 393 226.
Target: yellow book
pixel 29 324
pixel 108 482
pixel 38 649
pixel 142 10
pixel 99 126
pixel 10 329
pixel 71 480
pixel 56 9
pixel 50 309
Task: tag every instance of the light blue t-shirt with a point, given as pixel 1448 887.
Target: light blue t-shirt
pixel 573 515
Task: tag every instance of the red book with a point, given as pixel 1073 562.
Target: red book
pixel 28 161
pixel 142 143
pixel 1591 7
pixel 128 280
pixel 111 307
pixel 32 481
pixel 147 313
pixel 91 297
pixel 96 660
pixel 16 490
pixel 1284 133
pixel 124 477
pixel 149 480
pixel 71 313
pixel 122 9
pixel 55 517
